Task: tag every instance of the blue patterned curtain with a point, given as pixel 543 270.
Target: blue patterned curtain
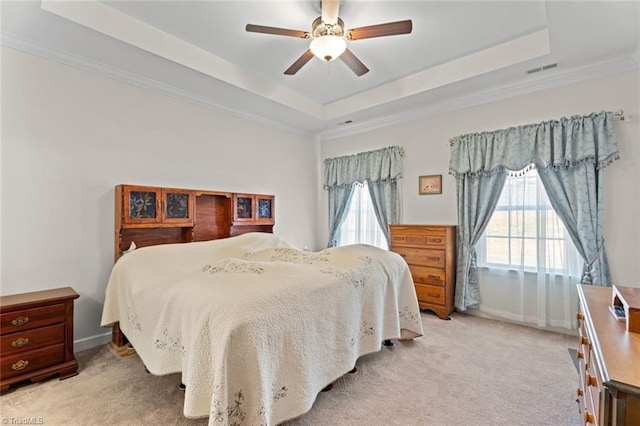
pixel 569 154
pixel 478 197
pixel 381 169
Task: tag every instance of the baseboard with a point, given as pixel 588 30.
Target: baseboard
pixel 515 319
pixel 91 342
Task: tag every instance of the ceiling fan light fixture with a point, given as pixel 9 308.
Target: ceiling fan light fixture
pixel 328 47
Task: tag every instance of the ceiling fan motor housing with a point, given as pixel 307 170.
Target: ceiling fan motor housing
pixel 319 28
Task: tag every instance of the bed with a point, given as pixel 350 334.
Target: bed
pixel 256 327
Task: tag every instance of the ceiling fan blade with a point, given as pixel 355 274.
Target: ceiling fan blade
pixel 380 30
pixel 276 31
pixel 330 10
pixel 354 63
pixel 299 63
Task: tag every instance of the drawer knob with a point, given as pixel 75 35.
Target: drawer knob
pixel 20 321
pixel 20 342
pixel 20 365
pixel 579 316
pixel 587 417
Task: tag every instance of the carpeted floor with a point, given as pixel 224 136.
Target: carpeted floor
pixel 468 371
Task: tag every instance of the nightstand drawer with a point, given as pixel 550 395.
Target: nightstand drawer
pixel 32 339
pixel 28 319
pixel 424 257
pixel 26 362
pixel 424 275
pixel 430 294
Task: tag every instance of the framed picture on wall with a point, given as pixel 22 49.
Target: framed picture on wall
pixel 430 184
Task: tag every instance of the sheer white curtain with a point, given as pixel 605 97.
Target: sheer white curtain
pixel 528 247
pixel 360 225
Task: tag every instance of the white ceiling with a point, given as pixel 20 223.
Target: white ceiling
pixel 458 54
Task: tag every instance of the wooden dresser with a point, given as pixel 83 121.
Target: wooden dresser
pixel 430 252
pixel 609 359
pixel 36 336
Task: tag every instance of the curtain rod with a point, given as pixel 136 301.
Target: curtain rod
pixel 617 115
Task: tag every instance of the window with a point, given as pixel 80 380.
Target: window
pixel 360 225
pixel 524 231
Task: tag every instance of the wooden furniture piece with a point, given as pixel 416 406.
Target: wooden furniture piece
pixel 430 252
pixel 149 215
pixel 609 361
pixel 252 210
pixel 36 336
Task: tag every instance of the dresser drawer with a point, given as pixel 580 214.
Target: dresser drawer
pixel 26 362
pixel 32 339
pixel 433 237
pixel 585 345
pixel 28 319
pixel 424 275
pixel 423 257
pixel 430 294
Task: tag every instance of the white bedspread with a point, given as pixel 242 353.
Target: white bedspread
pixel 257 327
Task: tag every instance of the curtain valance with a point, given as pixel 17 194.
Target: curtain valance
pixel 565 143
pixel 375 166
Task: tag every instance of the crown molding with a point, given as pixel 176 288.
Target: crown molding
pixel 552 79
pixel 69 59
pixel 555 78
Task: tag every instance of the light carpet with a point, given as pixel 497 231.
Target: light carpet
pixel 467 371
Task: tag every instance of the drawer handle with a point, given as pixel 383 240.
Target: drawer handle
pixel 579 392
pixel 20 342
pixel 580 355
pixel 20 365
pixel 436 295
pixel 584 340
pixel 435 259
pixel 591 381
pixel 435 240
pixel 579 316
pixel 435 277
pixel 20 321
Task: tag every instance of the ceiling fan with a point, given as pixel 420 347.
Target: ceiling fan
pixel 329 38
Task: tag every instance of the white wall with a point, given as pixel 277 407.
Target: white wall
pixel 426 145
pixel 69 136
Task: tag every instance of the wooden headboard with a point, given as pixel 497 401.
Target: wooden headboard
pixel 149 215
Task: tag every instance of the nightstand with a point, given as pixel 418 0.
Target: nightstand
pixel 36 336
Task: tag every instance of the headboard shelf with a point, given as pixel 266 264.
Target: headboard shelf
pixel 147 216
